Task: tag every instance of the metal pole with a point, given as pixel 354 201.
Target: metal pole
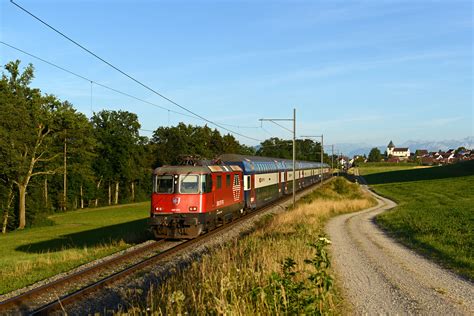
pixel 294 147
pixel 294 157
pixel 332 157
pixel 322 155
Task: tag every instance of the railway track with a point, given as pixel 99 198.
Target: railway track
pixel 25 303
pixel 28 299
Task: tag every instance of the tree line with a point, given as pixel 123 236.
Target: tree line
pixel 55 159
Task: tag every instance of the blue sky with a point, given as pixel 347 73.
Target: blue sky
pixel 365 71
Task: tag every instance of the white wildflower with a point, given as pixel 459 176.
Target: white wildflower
pixel 325 240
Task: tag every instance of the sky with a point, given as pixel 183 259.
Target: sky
pixel 355 71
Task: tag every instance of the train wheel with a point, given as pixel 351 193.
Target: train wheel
pixel 157 233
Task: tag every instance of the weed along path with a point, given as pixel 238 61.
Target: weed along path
pixel 380 276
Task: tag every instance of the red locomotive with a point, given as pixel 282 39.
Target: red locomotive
pixel 190 199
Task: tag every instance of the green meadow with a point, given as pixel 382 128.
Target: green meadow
pixel 435 212
pixel 75 238
pixel 379 167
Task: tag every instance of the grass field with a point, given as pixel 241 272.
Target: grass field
pixel 379 167
pixel 435 214
pixel 276 270
pixel 76 238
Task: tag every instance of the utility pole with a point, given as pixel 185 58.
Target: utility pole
pixel 332 157
pixel 322 153
pixel 294 147
pixel 65 174
pixel 294 157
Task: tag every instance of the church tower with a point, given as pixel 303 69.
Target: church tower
pixel 390 148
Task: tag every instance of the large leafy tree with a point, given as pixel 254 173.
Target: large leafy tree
pixel 118 139
pixel 77 144
pixel 375 155
pixel 306 149
pixel 28 126
pixel 276 147
pixel 171 143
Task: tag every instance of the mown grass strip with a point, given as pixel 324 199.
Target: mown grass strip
pixel 435 214
pixel 280 268
pixel 381 167
pixel 75 238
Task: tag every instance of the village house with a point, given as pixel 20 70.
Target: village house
pixel 421 153
pixel 441 157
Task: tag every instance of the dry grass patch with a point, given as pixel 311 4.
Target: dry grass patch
pixel 281 268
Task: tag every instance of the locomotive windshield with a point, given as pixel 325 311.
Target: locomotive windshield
pixel 164 184
pixel 188 183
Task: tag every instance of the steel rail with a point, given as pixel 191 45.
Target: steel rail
pixel 68 299
pixel 20 301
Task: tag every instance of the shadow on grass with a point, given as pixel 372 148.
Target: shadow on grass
pixel 461 169
pixel 130 232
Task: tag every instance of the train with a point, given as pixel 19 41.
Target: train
pixel 193 198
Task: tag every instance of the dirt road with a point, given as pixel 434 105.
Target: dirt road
pixel 380 276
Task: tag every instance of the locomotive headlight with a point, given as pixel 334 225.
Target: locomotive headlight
pixel 193 208
pixel 158 209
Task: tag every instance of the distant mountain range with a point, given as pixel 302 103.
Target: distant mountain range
pixel 364 148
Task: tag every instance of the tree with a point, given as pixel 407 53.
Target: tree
pixel 359 160
pixel 28 120
pixel 76 139
pixel 375 155
pixel 276 147
pixel 170 143
pixel 306 149
pixel 117 138
pixel 460 149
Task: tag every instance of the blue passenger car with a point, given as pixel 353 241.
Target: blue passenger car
pixel 267 179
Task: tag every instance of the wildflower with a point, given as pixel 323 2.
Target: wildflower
pixel 177 297
pixel 325 240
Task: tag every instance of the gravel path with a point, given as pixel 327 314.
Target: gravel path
pixel 380 276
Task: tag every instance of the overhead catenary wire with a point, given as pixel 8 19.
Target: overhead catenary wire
pixel 289 130
pixel 266 131
pixel 131 77
pixel 92 82
pixel 92 110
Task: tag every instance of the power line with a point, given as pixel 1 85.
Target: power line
pixel 92 81
pixel 146 130
pixel 107 87
pixel 239 126
pixel 289 130
pixel 273 121
pixel 129 76
pixel 266 131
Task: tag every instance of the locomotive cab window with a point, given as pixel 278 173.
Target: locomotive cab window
pixel 227 180
pixel 189 183
pixel 164 184
pixel 206 183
